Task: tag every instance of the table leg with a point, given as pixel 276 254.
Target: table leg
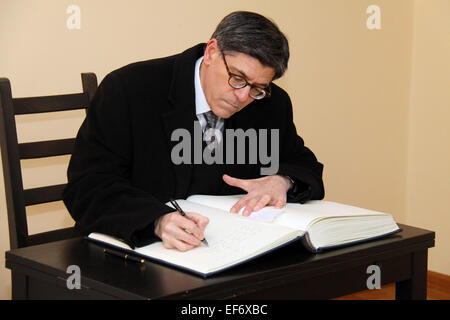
pixel 414 288
pixel 19 286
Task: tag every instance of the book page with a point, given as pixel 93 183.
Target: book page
pixel 293 215
pixel 231 239
pixel 301 216
pixel 266 214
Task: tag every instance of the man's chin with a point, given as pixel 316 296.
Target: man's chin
pixel 226 110
pixel 225 115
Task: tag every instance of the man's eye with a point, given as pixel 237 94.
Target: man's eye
pixel 237 79
pixel 256 90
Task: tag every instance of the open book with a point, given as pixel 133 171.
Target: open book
pixel 234 239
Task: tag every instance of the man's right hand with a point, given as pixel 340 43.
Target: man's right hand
pixel 178 232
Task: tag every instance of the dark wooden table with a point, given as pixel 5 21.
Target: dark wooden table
pixel 40 272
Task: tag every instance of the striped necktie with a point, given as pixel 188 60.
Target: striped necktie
pixel 211 135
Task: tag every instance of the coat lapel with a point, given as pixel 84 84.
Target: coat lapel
pixel 182 115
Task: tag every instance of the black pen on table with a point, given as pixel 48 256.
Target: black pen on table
pixel 178 208
pixel 123 255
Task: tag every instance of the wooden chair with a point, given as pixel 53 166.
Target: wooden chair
pixel 17 198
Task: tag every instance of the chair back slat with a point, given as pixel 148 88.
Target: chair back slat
pixel 50 236
pixel 43 194
pixel 12 152
pixel 63 102
pixel 41 149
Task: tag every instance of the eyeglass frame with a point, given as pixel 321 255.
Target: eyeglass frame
pixel 266 90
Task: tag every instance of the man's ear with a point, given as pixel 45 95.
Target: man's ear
pixel 211 51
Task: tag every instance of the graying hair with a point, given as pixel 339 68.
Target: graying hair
pixel 255 35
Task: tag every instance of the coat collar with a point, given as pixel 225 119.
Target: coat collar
pixel 182 89
pixel 182 115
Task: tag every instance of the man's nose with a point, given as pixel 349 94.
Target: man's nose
pixel 242 94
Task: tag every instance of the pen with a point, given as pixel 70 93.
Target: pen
pixel 124 256
pixel 178 208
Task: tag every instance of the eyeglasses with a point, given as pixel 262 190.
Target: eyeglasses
pixel 239 82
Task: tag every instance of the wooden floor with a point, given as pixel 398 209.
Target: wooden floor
pixel 438 289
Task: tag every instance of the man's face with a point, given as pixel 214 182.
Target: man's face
pixel 221 97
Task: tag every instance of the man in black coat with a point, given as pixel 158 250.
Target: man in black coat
pixel 124 167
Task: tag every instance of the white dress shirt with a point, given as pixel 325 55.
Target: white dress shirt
pixel 201 106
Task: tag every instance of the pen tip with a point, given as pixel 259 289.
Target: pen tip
pixel 205 242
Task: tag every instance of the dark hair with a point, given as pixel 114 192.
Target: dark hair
pixel 255 35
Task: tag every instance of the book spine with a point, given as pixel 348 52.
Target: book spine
pixel 306 241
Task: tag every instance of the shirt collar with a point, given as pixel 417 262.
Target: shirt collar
pixel 201 105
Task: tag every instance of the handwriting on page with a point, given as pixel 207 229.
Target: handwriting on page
pixel 239 235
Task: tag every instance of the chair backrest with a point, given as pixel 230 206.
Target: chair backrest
pixel 18 198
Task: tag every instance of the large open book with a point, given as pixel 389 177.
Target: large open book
pixel 234 239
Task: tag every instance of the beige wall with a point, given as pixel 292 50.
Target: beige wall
pixel 372 104
pixel 428 169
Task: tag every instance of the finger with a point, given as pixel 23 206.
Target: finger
pixel 172 231
pixel 171 242
pixel 261 203
pixel 187 238
pixel 249 207
pixel 279 202
pixel 175 233
pixel 181 245
pixel 190 227
pixel 239 205
pixel 235 182
pixel 200 221
pixel 175 226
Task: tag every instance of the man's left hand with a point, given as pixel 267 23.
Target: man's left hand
pixel 270 190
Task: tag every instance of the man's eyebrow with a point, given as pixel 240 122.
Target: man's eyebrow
pixel 242 73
